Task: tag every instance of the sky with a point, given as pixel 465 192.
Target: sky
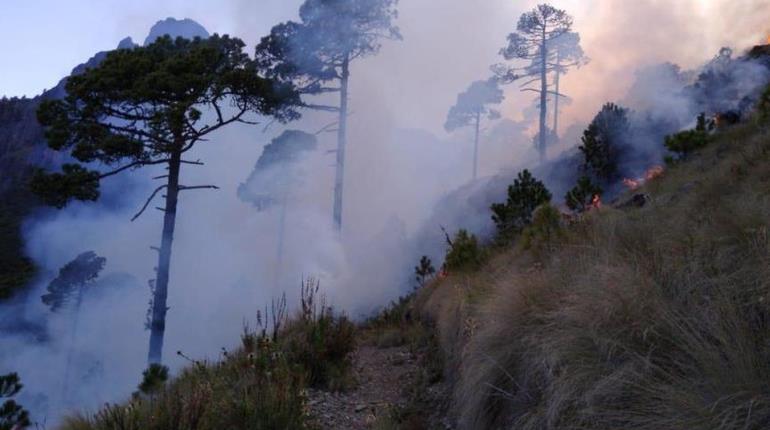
pixel 42 40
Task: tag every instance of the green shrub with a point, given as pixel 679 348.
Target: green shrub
pixel 464 253
pixel 581 197
pixel 686 142
pixel 526 194
pixel 545 227
pixel 153 378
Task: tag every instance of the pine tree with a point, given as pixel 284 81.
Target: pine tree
pixel 424 271
pixel 603 141
pixel 524 196
pixel 535 34
pixel 471 108
pixel 145 107
pixel 315 54
pixel 12 415
pixel 582 196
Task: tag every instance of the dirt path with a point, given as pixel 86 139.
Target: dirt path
pixel 383 377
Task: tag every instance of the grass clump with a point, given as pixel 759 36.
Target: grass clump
pixel 320 341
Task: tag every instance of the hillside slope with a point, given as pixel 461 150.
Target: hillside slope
pixel 642 318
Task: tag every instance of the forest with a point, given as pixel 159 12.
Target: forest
pixel 356 216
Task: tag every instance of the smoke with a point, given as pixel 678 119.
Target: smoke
pixel 406 177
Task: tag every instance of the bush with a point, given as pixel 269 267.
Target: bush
pixel 526 194
pixel 153 378
pixel 582 196
pixel 464 253
pixel 320 341
pixel 603 141
pixel 545 227
pixel 686 142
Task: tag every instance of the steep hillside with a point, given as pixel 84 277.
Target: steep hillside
pixel 652 317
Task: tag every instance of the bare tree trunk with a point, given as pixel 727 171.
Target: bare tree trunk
pixel 476 147
pixel 341 141
pixel 160 296
pixel 543 95
pixel 70 353
pixel 556 97
pixel 281 237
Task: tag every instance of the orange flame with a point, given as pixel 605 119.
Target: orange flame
pixel 651 173
pixel 631 184
pixel 596 202
pixel 767 42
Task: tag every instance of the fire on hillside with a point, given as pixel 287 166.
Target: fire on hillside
pixel 651 173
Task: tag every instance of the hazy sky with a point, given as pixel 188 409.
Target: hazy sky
pixel 42 40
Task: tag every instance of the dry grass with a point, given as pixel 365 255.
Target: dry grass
pixel 652 318
pixel 261 386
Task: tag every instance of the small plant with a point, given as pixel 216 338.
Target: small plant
pixel 12 415
pixel 424 271
pixel 464 253
pixel 580 198
pixel 153 379
pixel 526 194
pixel 686 142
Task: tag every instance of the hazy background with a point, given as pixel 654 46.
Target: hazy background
pixel 400 164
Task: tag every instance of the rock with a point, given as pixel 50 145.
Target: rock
pixel 185 28
pixel 127 43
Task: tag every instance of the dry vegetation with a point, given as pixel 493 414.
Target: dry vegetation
pixel 651 318
pixel 261 386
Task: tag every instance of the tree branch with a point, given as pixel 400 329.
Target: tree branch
pixel 198 187
pixel 147 203
pixel 324 108
pixel 131 165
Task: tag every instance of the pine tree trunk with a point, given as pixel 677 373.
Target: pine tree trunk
pixel 281 239
pixel 341 142
pixel 160 296
pixel 476 147
pixel 71 352
pixel 543 96
pixel 556 98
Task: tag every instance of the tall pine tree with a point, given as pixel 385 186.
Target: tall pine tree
pixel 150 106
pixel 316 53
